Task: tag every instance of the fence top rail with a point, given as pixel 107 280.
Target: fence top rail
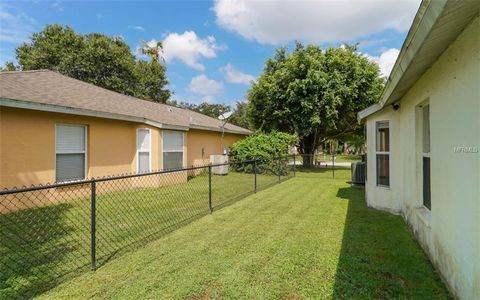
pixel 118 177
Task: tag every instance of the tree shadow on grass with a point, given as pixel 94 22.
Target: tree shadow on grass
pixel 379 257
pixel 38 250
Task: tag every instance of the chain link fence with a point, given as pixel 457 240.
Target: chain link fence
pixel 327 165
pixel 50 233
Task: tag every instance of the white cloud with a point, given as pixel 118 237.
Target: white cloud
pixel 275 22
pixel 233 75
pixel 204 86
pixel 136 27
pixel 15 28
pixel 189 48
pixel 386 60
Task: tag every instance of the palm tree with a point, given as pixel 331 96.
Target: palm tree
pixel 153 49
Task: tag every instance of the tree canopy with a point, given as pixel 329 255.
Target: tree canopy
pixel 239 116
pixel 314 93
pixel 95 58
pixel 214 110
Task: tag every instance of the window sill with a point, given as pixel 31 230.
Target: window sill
pixel 384 187
pixel 425 215
pixel 70 183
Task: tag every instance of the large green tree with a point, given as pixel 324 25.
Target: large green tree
pixel 314 93
pixel 213 110
pixel 239 116
pixel 95 58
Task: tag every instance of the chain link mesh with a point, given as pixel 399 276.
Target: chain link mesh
pixel 46 231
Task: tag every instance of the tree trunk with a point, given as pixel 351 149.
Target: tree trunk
pixel 308 144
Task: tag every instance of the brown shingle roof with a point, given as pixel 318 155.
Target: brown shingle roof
pixel 52 88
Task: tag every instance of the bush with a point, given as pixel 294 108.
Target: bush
pixel 263 146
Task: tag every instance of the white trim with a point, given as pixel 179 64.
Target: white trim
pixel 166 126
pixel 219 129
pixel 143 151
pixel 161 150
pixel 85 151
pixel 368 111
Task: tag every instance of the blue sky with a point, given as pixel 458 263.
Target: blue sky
pixel 213 49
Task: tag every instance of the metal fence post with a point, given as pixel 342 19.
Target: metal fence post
pixel 210 189
pixel 294 164
pixel 333 164
pixel 279 170
pixel 254 176
pixel 93 208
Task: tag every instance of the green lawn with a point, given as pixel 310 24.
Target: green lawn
pixel 308 237
pixel 348 158
pixel 338 158
pixel 41 247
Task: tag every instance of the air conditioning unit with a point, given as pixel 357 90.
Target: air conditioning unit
pixel 219 159
pixel 359 171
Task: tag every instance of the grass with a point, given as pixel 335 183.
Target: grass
pixel 338 157
pixel 44 246
pixel 348 158
pixel 308 237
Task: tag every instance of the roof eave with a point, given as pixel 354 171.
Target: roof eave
pixel 85 112
pixel 219 129
pixel 368 111
pixel 106 115
pixel 427 15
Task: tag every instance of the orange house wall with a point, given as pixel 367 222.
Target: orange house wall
pixel 27 146
pixel 210 142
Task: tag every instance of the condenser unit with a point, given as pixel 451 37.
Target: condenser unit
pixel 219 159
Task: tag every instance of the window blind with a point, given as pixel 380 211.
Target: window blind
pixel 70 146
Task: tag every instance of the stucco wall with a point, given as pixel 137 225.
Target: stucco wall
pixel 27 154
pixel 449 232
pixel 382 197
pixel 210 142
pixel 27 146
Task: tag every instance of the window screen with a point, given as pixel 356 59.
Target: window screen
pixel 143 162
pixel 172 160
pixel 383 153
pixel 143 150
pixel 383 169
pixel 426 156
pixel 426 183
pixel 426 128
pixel 172 149
pixel 70 152
pixel 383 137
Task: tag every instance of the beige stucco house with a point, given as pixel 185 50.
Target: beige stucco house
pixel 423 140
pixel 54 128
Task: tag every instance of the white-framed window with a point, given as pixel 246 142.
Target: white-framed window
pixel 426 155
pixel 70 152
pixel 144 153
pixel 382 153
pixel 172 149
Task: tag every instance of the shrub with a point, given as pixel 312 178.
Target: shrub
pixel 263 146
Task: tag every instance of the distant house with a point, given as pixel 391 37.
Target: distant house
pixel 423 140
pixel 54 128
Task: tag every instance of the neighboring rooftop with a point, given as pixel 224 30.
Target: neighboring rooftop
pixel 51 91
